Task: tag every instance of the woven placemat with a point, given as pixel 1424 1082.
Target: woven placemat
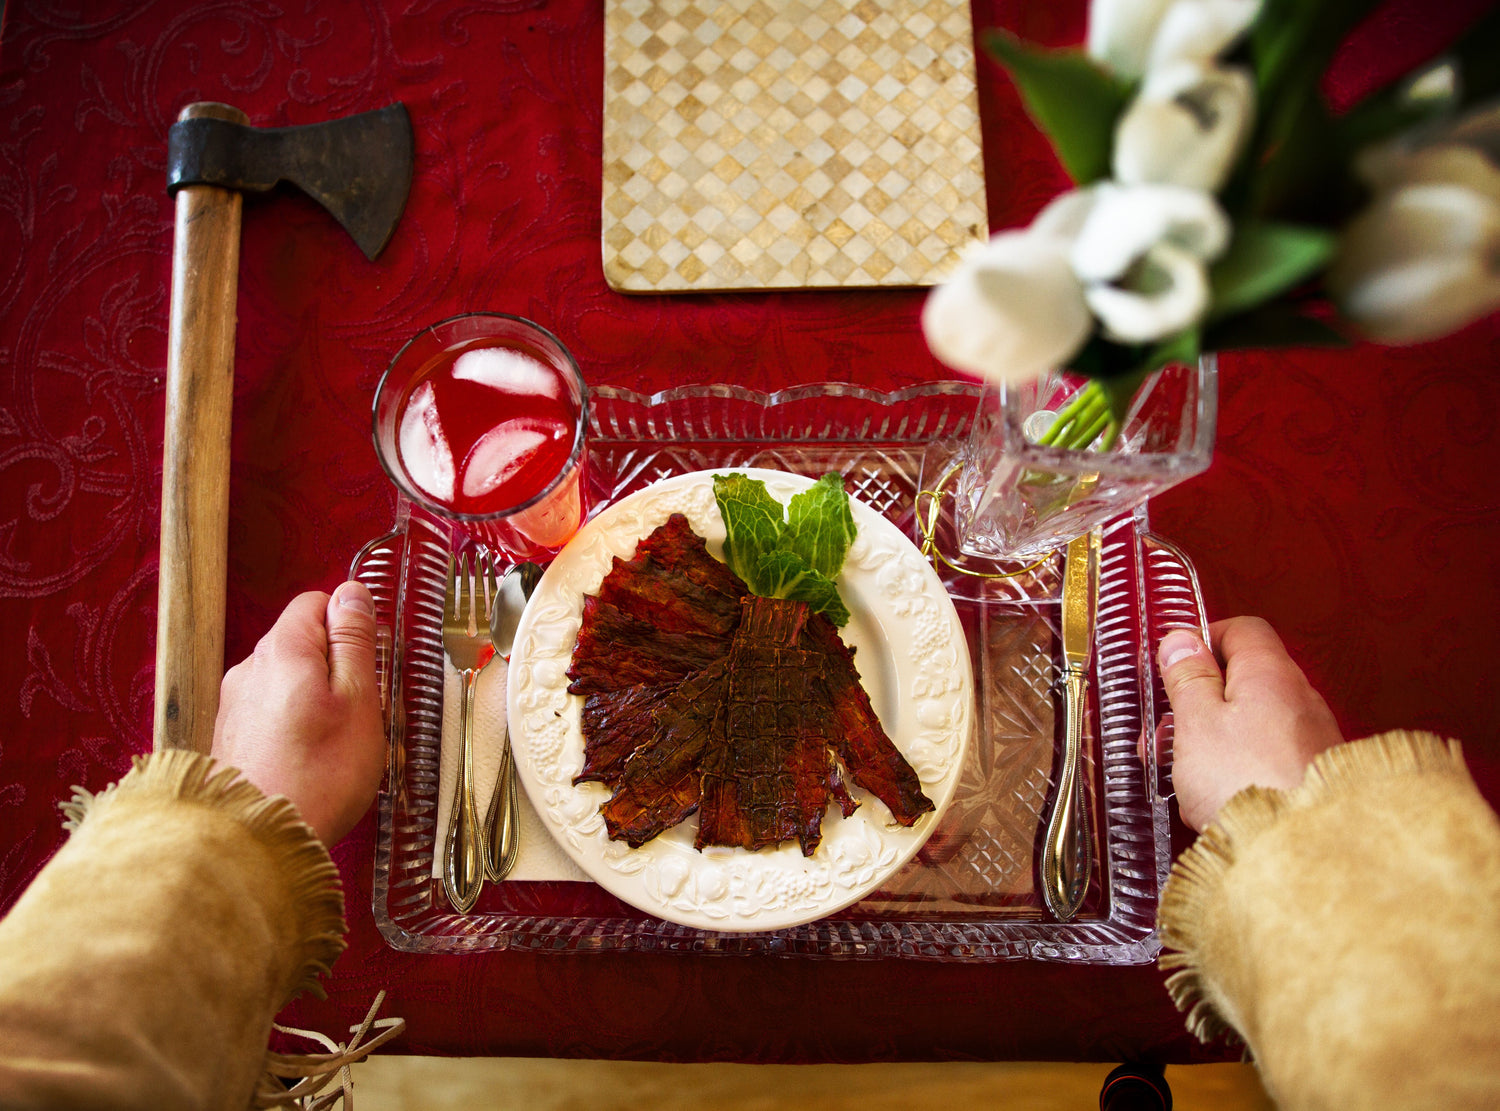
pixel 752 144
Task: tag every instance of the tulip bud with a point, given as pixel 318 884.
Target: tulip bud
pixel 1134 36
pixel 1187 127
pixel 1164 292
pixel 1198 30
pixel 1128 220
pixel 1422 261
pixel 1464 152
pixel 1012 311
pixel 1121 32
pixel 1141 255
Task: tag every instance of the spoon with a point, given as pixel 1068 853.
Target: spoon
pixel 501 832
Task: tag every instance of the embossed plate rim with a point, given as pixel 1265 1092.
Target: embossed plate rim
pixel 888 587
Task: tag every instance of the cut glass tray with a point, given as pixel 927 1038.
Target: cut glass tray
pixel 971 893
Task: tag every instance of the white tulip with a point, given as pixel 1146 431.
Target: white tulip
pixel 1200 29
pixel 1422 261
pixel 1142 255
pixel 1065 215
pixel 1187 127
pixel 1127 220
pixel 1166 291
pixel 1461 153
pixel 1133 36
pixel 1011 312
pixel 1121 32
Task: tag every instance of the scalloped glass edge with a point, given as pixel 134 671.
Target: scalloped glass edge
pixel 1146 587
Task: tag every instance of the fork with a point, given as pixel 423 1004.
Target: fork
pixel 466 640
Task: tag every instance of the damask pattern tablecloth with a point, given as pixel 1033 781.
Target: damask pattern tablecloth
pixel 1352 501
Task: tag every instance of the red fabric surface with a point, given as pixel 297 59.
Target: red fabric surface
pixel 1352 500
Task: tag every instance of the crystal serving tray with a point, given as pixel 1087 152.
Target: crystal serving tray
pixel 971 893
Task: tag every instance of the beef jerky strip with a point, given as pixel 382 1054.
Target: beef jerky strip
pixel 658 617
pixel 856 734
pixel 660 784
pixel 770 781
pixel 817 778
pixel 616 650
pixel 676 545
pixel 673 583
pixel 616 723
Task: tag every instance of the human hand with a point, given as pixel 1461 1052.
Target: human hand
pixel 1258 721
pixel 300 716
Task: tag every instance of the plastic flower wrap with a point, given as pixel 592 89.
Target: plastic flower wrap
pixel 1220 204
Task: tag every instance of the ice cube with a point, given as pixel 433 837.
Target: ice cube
pixel 425 452
pixel 499 454
pixel 503 368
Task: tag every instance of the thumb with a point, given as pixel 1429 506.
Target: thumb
pixel 351 639
pixel 1190 673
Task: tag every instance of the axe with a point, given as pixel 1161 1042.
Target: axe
pixel 359 168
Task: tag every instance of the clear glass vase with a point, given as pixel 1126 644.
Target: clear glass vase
pixel 1016 499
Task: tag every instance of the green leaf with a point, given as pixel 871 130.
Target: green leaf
pixel 1274 325
pixel 1395 108
pixel 1073 99
pixel 787 575
pixel 1184 347
pixel 1293 39
pixel 1475 52
pixel 1120 390
pixel 753 523
pixel 1264 260
pixel 820 524
pixel 779 558
pixel 1296 166
pixel 1388 113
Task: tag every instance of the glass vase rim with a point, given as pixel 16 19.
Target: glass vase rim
pixel 1081 461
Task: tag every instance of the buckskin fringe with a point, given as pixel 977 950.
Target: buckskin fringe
pixel 313 885
pixel 1194 882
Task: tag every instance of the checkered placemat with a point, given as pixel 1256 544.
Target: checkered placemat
pixel 753 144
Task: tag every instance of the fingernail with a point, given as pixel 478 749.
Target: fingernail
pixel 1177 646
pixel 356 596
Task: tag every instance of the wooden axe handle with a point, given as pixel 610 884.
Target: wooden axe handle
pixel 195 465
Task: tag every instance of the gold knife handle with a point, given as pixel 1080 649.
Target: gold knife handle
pixel 1067 852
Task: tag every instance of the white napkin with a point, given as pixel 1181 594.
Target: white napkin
pixel 540 857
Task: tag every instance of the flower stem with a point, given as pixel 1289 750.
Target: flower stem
pixel 1092 429
pixel 1080 421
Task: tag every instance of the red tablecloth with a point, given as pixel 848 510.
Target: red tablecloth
pixel 1352 500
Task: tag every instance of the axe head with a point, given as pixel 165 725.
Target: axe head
pixel 359 167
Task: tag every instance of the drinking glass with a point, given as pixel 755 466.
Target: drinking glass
pixel 479 421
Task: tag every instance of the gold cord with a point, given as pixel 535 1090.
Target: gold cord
pixel 927 523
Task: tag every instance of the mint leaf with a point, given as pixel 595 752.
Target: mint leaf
pixel 787 575
pixel 753 520
pixel 1073 99
pixel 821 525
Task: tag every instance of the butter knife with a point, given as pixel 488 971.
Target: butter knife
pixel 1068 850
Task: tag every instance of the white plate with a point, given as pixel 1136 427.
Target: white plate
pixel 913 660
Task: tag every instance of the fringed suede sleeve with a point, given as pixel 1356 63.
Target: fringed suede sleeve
pixel 1348 931
pixel 144 965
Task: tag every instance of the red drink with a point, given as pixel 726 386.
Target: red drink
pixel 480 419
pixel 485 429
